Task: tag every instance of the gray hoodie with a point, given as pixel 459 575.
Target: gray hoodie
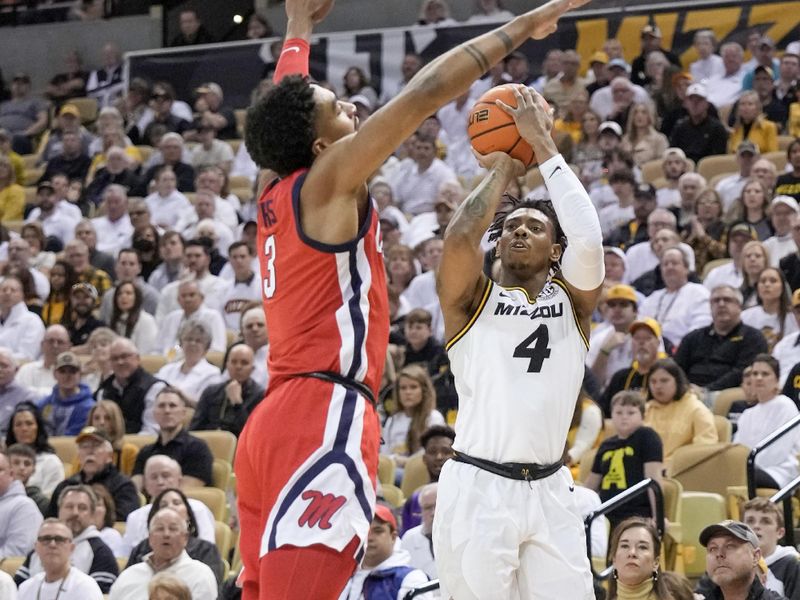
pixel 19 521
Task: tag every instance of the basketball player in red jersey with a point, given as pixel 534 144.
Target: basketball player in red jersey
pixel 307 459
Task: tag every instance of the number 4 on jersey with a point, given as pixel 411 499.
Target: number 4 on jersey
pixel 535 348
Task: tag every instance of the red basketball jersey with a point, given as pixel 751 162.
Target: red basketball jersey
pixel 326 305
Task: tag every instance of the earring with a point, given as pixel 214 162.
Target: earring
pixel 655 575
pixel 614 574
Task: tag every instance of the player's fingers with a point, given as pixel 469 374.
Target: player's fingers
pixel 505 107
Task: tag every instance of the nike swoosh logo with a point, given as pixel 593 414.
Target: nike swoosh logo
pixel 572 488
pixel 504 295
pixel 296 49
pixel 556 170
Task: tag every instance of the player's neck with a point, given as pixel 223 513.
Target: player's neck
pixel 532 284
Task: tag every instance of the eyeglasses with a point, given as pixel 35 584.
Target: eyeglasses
pixel 124 356
pixel 49 539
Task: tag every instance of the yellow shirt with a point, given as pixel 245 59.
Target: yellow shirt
pixel 682 422
pixel 12 203
pixel 763 133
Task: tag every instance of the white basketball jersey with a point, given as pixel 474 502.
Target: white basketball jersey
pixel 518 367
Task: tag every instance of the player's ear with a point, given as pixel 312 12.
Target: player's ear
pixel 318 145
pixel 555 252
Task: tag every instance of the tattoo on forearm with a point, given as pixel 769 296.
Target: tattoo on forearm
pixel 478 57
pixel 476 205
pixel 509 45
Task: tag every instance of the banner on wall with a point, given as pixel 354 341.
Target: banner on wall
pixel 239 66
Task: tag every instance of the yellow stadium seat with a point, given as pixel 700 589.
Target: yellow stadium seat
pixel 69 469
pixel 415 475
pixel 87 107
pixel 213 498
pixel 236 181
pixel 724 399
pixel 709 467
pixel 152 362
pixel 221 474
pixel 145 151
pixel 672 492
pixel 223 536
pixel 138 439
pixel 777 158
pixel 783 142
pixel 585 466
pixel 221 443
pixel 216 358
pixel 385 469
pixel 243 193
pixel 700 509
pixel 65 447
pixel 241 117
pixel 724 428
pixel 718 163
pixel 652 170
pixel 713 264
pixel 10 564
pixel 120 526
pixel 122 562
pixel 393 495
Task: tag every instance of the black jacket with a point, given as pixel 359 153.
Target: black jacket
pixel 710 591
pixel 120 487
pixel 215 412
pixel 131 400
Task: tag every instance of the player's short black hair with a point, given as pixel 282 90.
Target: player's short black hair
pixel 280 127
pixel 509 204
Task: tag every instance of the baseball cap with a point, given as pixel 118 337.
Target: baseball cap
pixel 744 229
pixel 792 48
pixel 91 432
pixel 610 126
pixel 615 251
pixel 599 57
pixel 787 200
pixel 736 529
pixel 746 146
pixel 697 89
pixel 620 63
pixel 383 513
pixel 45 185
pixel 673 151
pixel 86 288
pixel 766 41
pixel 764 69
pixel 648 323
pixel 390 219
pixel 362 100
pixel 211 87
pixel 652 30
pixel 67 359
pixel 644 190
pixel 622 292
pixel 69 109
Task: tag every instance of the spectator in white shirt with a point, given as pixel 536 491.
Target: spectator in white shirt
pixel 128 269
pixel 602 100
pixel 787 351
pixel 682 305
pixel 610 347
pixel 417 541
pixel 246 287
pixel 612 216
pixel 166 203
pixel 731 273
pixel 197 259
pixel 489 11
pixel 661 232
pixel 725 89
pixel 416 183
pixel 730 187
pixel 783 209
pixel 255 335
pixel 190 299
pixel 772 315
pixel 193 374
pixel 56 221
pixel 708 65
pixel 21 331
pixel 38 375
pixel 19 256
pixel 205 210
pixel 674 165
pixel 210 150
pixel 213 178
pixel 114 229
pixel 170 249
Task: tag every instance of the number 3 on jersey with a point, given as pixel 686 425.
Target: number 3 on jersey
pixel 534 347
pixel 269 278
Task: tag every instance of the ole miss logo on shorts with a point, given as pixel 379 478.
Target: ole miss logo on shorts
pixel 320 510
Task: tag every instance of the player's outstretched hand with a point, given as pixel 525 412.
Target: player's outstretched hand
pixel 313 10
pixel 545 18
pixel 489 161
pixel 532 115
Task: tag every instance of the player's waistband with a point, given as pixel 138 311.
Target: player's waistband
pixel 520 471
pixel 351 384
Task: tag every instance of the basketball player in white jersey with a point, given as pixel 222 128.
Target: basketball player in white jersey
pixel 505 525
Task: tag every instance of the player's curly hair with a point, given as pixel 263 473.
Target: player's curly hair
pixel 280 127
pixel 509 204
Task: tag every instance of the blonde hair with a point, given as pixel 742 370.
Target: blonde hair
pixel 630 130
pixel 115 416
pixel 169 584
pixel 421 412
pixel 738 211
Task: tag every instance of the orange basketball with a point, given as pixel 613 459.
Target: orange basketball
pixel 491 129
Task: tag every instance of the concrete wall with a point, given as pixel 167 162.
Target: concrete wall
pixel 39 49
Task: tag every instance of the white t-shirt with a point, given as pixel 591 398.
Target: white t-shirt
pixel 396 428
pixel 787 353
pixel 679 312
pixel 75 586
pixel 769 325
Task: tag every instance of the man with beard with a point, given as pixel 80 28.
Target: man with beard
pixel 92 556
pixel 82 322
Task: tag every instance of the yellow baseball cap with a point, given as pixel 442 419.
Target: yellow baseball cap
pixel 622 292
pixel 647 322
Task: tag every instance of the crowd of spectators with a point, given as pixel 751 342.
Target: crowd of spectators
pixel 130 300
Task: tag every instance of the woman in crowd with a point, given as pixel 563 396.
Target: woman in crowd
pixel 669 99
pixel 752 125
pixel 400 266
pixel 98 367
pixel 673 410
pixel 258 27
pixel 416 401
pixel 12 195
pixel 355 82
pixel 104 520
pixel 193 373
pixel 773 313
pixel 31 298
pixel 168 587
pixel 146 241
pixel 755 258
pixel 706 229
pixel 586 154
pixel 777 464
pixel 56 307
pixel 130 320
pixel 197 548
pixel 635 553
pixel 107 415
pixel 641 139
pixel 27 426
pixel 752 207
pixel 33 233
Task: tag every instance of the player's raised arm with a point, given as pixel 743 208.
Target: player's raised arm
pixel 301 16
pixel 460 279
pixel 582 266
pixel 354 158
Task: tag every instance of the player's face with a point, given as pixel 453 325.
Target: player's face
pixel 626 419
pixel 526 244
pixel 410 393
pixel 663 386
pixel 334 118
pixel 635 558
pixel 765 526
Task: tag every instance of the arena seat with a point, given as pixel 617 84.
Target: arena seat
pixel 65 447
pixel 139 439
pixel 393 495
pixel 243 193
pixel 700 509
pixel 213 498
pixel 10 564
pixel 87 107
pixel 672 491
pixel 385 470
pixel 120 526
pixel 783 142
pixel 237 181
pixel 33 175
pixel 152 362
pixel 724 428
pixel 216 358
pixel 146 152
pixel 69 470
pixel 415 475
pixel 777 158
pixel 709 467
pixel 223 536
pixel 221 443
pixel 713 264
pixel 724 399
pixel 718 163
pixel 652 170
pixel 221 474
pixel 585 466
pixel 122 562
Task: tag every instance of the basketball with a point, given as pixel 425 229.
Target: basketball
pixel 491 129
